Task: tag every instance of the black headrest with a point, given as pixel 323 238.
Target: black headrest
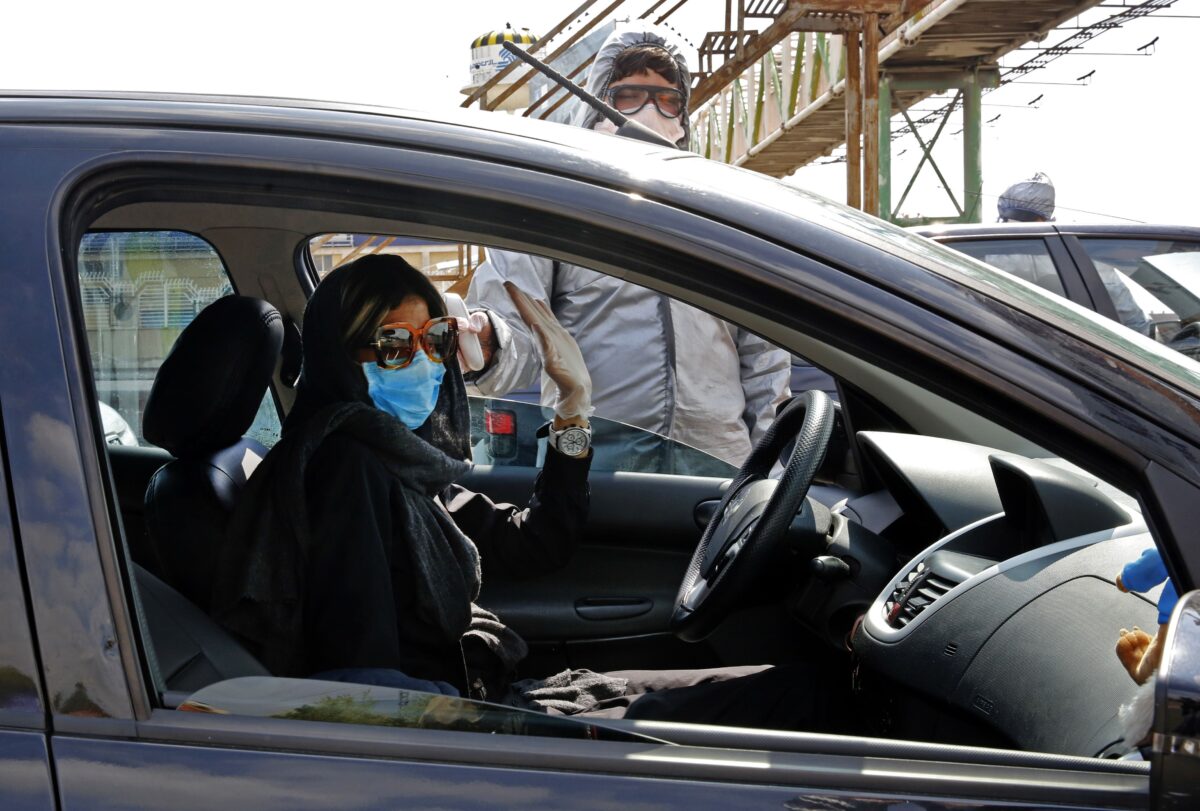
pixel 209 388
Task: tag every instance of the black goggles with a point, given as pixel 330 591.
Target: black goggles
pixel 629 98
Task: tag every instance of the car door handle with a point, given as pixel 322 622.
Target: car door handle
pixel 705 511
pixel 612 608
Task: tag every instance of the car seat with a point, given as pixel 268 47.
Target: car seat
pixel 203 400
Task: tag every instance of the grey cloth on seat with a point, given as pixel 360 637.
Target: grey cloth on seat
pixel 568 692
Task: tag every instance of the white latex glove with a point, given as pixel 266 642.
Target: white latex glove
pixel 561 357
pixel 475 324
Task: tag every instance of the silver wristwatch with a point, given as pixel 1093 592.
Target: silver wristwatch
pixel 571 441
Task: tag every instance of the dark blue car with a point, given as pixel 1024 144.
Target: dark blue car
pixel 996 457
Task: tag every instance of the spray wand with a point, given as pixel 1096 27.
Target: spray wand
pixel 625 125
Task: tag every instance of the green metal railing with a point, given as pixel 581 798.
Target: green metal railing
pixel 804 67
pixel 800 69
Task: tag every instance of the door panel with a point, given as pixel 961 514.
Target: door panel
pixel 621 584
pixel 100 774
pixel 25 772
pixel 388 768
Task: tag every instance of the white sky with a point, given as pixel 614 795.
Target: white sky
pixel 1121 146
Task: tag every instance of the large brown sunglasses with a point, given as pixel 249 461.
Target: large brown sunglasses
pixel 396 345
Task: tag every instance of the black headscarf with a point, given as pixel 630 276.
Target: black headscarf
pixel 260 583
pixel 329 375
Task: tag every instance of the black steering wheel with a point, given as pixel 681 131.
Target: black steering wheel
pixel 746 532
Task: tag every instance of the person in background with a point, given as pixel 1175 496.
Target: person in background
pixel 1029 200
pixel 698 380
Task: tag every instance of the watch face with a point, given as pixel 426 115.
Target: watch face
pixel 574 442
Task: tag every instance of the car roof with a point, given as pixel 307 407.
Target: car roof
pixel 261 113
pixel 1008 229
pixel 755 203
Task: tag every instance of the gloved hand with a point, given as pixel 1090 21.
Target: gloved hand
pixel 561 357
pixel 478 324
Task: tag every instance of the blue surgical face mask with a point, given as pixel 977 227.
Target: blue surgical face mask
pixel 409 394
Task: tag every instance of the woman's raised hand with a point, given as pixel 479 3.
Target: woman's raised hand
pixel 561 357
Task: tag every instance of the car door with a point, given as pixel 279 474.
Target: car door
pixel 27 780
pixel 118 745
pixel 115 745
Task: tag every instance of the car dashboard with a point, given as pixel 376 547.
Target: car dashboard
pixel 1004 611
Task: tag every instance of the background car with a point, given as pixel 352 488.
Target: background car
pixel 1015 445
pixel 1146 277
pixel 116 430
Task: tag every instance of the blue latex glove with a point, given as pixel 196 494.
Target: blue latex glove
pixel 1147 572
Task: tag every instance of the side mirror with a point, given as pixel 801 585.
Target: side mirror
pixel 1175 759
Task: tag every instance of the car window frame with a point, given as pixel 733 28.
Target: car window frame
pixel 1101 300
pixel 111 667
pixel 825 283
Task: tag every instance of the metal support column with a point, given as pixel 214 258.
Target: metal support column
pixel 885 147
pixel 870 122
pixel 853 121
pixel 970 85
pixel 972 148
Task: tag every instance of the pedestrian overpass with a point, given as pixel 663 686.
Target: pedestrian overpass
pixel 783 83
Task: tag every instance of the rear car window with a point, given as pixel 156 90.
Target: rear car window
pixel 1027 258
pixel 139 290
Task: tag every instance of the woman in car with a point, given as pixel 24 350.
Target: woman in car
pixel 353 554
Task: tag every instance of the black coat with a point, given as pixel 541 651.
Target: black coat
pixel 363 605
pixel 353 548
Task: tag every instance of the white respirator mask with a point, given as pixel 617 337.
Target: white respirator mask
pixel 648 116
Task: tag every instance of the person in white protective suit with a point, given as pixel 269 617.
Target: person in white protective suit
pixel 697 379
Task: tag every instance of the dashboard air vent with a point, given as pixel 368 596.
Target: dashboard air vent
pixel 927 583
pixel 916 592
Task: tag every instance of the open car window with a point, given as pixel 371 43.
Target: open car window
pixel 662 394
